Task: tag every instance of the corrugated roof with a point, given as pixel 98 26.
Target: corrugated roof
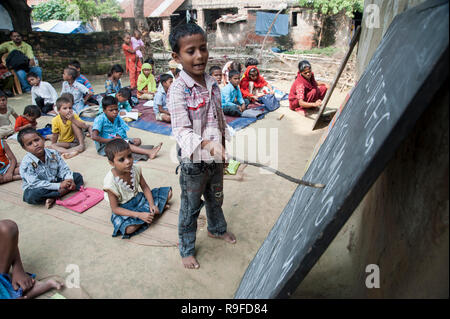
pixel 152 8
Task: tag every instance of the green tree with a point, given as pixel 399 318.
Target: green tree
pixel 332 7
pixel 84 10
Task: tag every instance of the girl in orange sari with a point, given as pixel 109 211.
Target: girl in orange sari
pixel 133 64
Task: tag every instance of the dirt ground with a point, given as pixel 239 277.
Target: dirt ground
pixel 118 268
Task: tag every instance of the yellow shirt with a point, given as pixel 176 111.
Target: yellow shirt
pixel 64 129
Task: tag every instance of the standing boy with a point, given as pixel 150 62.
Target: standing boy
pixel 199 127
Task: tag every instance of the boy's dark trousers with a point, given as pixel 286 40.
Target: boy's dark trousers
pixel 197 179
pixel 45 107
pixel 39 195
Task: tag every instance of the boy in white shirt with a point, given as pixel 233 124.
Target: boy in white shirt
pixel 43 94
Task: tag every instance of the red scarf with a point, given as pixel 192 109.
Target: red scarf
pixel 259 83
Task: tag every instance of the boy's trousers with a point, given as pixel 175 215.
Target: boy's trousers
pixel 197 179
pixel 40 195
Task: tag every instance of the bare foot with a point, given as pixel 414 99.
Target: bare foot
pixel 228 237
pixel 152 153
pixel 190 262
pixel 49 203
pixel 70 155
pixel 42 287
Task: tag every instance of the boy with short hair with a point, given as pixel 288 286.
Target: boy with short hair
pixel 159 102
pixel 123 97
pixel 43 94
pixel 216 72
pixel 199 127
pixel 67 130
pixel 80 93
pixel 232 102
pixel 44 173
pixel 108 126
pixel 30 114
pixel 81 78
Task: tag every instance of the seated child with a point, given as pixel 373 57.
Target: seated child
pixel 159 103
pixel 43 94
pixel 109 126
pixel 230 65
pixel 81 78
pixel 146 84
pixel 232 102
pixel 30 114
pixel 251 62
pixel 123 101
pixel 306 92
pixel 44 173
pixel 112 83
pixel 19 284
pixel 67 130
pixel 9 168
pixel 173 66
pixel 6 127
pixel 152 63
pixel 253 85
pixel 132 211
pixel 216 72
pixel 137 44
pixel 80 93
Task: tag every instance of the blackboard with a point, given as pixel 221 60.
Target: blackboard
pixel 407 69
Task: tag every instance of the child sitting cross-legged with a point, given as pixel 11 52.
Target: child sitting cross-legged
pixel 67 129
pixel 132 211
pixel 108 126
pixel 123 101
pixel 146 84
pixel 81 94
pixel 232 102
pixel 43 94
pixel 159 103
pixel 30 114
pixel 44 173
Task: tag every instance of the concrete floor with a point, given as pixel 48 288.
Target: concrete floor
pixel 115 268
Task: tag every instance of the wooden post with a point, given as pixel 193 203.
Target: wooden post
pixel 338 74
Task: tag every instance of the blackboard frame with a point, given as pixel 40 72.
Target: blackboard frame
pixel 288 253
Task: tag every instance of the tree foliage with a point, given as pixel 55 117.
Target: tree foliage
pixel 84 10
pixel 331 7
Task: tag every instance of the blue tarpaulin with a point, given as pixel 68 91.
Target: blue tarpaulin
pixel 265 19
pixel 65 27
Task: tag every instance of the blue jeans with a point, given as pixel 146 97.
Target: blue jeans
pixel 197 179
pixel 40 195
pixel 231 110
pixel 22 75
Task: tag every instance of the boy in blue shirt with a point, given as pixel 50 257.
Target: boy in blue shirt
pixel 232 102
pixel 122 96
pixel 159 102
pixel 108 126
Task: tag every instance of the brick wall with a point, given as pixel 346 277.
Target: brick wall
pixel 97 52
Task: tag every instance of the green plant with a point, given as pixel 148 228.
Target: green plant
pixel 332 7
pixel 84 10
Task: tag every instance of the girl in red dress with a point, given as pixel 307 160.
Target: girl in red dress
pixel 306 92
pixel 133 64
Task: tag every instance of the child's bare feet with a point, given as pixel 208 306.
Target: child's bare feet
pixel 228 237
pixel 152 153
pixel 190 262
pixel 70 154
pixel 49 203
pixel 40 288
